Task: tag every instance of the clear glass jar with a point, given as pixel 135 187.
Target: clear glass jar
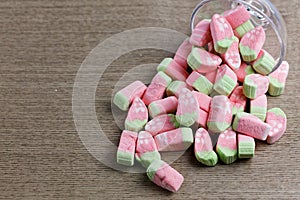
pixel 263 13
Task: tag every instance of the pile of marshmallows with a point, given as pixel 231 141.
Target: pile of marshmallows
pixel 207 84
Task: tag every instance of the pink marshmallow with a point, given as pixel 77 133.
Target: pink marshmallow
pixel 277 119
pixel 127 141
pixel 175 140
pixel 163 106
pixel 252 43
pixel 220 114
pixel 211 76
pixel 126 149
pixel 281 73
pixel 237 16
pixel 161 124
pixel 255 85
pixel 203 141
pixel 164 176
pixel 222 33
pixel 157 88
pixel 199 82
pixel 202 61
pixel 201 34
pixel 173 69
pixel 258 107
pixel 202 119
pixel 188 108
pixel 203 100
pixel 243 71
pixel 226 80
pixel 137 116
pixel 251 125
pixel 238 100
pixel 182 53
pixel 125 96
pixel 232 56
pixel 176 87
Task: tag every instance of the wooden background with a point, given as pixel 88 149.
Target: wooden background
pixel 42 45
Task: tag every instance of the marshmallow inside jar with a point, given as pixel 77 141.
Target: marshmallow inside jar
pixel 244 16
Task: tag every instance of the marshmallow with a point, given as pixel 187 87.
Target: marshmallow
pixel 175 88
pixel 237 16
pixel 243 71
pixel 126 149
pixel 220 114
pixel 203 61
pixel 278 79
pixel 172 69
pixel 238 100
pixel 232 56
pixel 227 147
pixel 188 108
pixel 201 35
pixel 246 146
pixel 250 125
pixel 276 118
pixel 124 97
pixel 164 176
pixel 146 151
pixel 163 106
pixel 175 140
pixel 264 63
pixel 202 119
pixel 161 123
pixel 200 83
pixel 255 85
pixel 258 107
pixel 204 100
pixel 226 81
pixel 211 76
pixel 241 30
pixel 157 88
pixel 137 116
pixel 251 44
pixel 222 33
pixel 182 53
pixel 203 148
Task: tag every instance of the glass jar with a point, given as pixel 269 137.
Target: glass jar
pixel 263 13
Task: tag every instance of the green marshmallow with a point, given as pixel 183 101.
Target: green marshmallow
pixel 154 167
pixel 164 64
pixel 217 127
pixel 227 155
pixel 125 158
pixel 147 158
pixel 246 150
pixel 250 88
pixel 225 86
pixel 265 64
pixel 207 158
pixel 135 125
pixel 259 112
pixel 244 28
pixel 223 45
pixel 203 85
pixel 175 87
pixel 248 54
pixel 246 146
pixel 275 88
pixel 121 101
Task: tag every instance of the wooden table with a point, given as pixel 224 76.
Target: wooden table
pixel 43 44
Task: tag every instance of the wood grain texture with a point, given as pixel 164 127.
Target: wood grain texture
pixel 43 43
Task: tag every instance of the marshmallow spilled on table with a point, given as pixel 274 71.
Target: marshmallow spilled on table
pixel 217 82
